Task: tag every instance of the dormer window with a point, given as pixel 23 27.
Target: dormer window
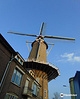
pixel 17 58
pixel 32 73
pixel 21 62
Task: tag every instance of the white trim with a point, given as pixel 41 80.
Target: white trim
pixel 36 83
pixel 28 79
pixel 20 69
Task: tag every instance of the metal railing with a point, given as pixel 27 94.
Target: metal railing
pixel 48 63
pixel 43 62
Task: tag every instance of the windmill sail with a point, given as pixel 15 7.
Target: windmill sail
pixel 37 60
pixel 43 29
pixel 41 34
pixel 23 34
pixel 56 37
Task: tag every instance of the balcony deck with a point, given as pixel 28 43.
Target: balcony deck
pixel 51 70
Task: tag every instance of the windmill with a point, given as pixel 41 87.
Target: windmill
pixel 37 60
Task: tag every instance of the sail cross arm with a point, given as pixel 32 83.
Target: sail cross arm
pixel 23 34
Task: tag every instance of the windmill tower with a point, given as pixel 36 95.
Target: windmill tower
pixel 37 61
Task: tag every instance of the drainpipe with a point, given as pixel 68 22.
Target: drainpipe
pixel 42 89
pixel 5 73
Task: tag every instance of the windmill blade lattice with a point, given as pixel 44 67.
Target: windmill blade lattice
pixel 41 34
pixel 43 29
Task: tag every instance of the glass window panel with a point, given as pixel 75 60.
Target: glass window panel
pixel 11 97
pixel 14 74
pixel 7 96
pixel 17 58
pixel 34 89
pixel 15 98
pixel 37 91
pixel 17 77
pixel 21 61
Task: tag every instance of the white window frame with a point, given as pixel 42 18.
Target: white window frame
pixel 17 71
pixel 20 69
pixel 35 88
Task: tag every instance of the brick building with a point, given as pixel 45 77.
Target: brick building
pixel 20 79
pixel 15 81
pixel 75 85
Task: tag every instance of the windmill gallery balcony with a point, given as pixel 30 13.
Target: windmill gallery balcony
pixel 50 69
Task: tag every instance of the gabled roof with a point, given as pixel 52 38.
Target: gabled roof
pixel 77 74
pixel 7 45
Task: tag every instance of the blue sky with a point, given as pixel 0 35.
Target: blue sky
pixel 62 18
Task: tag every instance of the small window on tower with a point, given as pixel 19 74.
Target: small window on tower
pixel 45 93
pixel 39 55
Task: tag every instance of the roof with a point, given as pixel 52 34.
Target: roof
pixel 77 76
pixel 7 45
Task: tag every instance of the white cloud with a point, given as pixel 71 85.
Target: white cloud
pixel 76 58
pixel 70 57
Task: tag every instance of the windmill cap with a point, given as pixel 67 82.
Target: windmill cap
pixel 43 42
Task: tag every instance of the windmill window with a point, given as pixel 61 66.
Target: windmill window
pixel 16 78
pixel 45 93
pixel 39 55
